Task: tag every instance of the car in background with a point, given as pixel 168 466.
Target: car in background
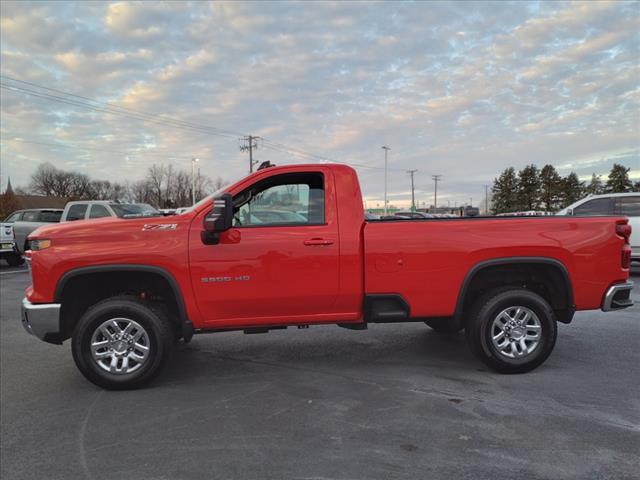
pixel 408 214
pixel 84 210
pixel 528 213
pixel 258 216
pixel 8 250
pixel 26 221
pixel 610 204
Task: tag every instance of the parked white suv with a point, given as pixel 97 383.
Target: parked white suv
pixel 82 210
pixel 625 204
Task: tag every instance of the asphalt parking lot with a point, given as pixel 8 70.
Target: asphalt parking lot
pixel 395 401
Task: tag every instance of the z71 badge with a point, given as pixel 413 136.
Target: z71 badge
pixel 159 226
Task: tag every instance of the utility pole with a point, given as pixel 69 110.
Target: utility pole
pixel 386 150
pixel 436 179
pixel 413 196
pixel 486 199
pixel 193 179
pixel 249 143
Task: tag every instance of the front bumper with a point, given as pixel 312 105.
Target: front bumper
pixel 8 248
pixel 42 320
pixel 617 297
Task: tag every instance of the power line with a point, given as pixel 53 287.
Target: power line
pixel 159 119
pixel 91 149
pixel 107 110
pixel 114 107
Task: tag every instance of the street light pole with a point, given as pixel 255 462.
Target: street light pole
pixel 193 179
pixel 486 199
pixel 413 196
pixel 436 179
pixel 386 149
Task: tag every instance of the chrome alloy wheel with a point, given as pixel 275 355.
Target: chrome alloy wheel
pixel 516 332
pixel 120 346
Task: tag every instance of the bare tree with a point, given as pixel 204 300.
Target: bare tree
pixel 43 180
pixel 163 186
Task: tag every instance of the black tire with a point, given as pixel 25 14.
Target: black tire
pixel 15 260
pixel 480 324
pixel 444 325
pixel 153 319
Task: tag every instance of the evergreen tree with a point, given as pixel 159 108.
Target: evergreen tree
pixel 573 189
pixel 529 188
pixel 619 179
pixel 551 188
pixel 504 192
pixel 595 187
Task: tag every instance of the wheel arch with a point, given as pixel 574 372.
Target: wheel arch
pixel 96 273
pixel 515 270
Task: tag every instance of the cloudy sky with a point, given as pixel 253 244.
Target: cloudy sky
pixel 458 89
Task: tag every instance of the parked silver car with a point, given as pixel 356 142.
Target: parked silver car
pixel 26 221
pixel 8 251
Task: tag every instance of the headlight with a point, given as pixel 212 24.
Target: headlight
pixel 39 244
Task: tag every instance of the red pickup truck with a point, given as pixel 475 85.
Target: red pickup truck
pixel 290 246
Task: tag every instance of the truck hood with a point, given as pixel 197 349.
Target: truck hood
pixel 109 226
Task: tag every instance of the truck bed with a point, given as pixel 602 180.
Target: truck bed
pixel 428 259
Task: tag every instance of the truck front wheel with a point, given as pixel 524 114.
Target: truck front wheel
pixel 122 343
pixel 512 330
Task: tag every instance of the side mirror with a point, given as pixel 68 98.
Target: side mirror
pixel 219 219
pixel 570 211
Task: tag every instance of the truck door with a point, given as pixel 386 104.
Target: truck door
pixel 279 263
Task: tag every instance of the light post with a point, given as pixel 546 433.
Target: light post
pixel 386 150
pixel 413 195
pixel 436 179
pixel 193 179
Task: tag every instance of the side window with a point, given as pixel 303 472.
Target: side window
pixel 30 216
pixel 76 212
pixel 597 206
pixel 16 217
pixel 291 199
pixel 98 211
pixel 630 206
pixel 50 217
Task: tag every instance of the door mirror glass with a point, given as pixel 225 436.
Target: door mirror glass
pixel 220 218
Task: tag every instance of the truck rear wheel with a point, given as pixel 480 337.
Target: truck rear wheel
pixel 122 343
pixel 512 331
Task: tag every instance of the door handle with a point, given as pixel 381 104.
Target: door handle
pixel 318 241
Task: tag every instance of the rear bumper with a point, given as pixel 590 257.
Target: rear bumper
pixel 618 297
pixel 42 320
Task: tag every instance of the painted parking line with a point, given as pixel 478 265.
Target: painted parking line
pixel 15 271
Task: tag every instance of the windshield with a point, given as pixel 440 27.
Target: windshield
pixel 134 210
pixel 208 198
